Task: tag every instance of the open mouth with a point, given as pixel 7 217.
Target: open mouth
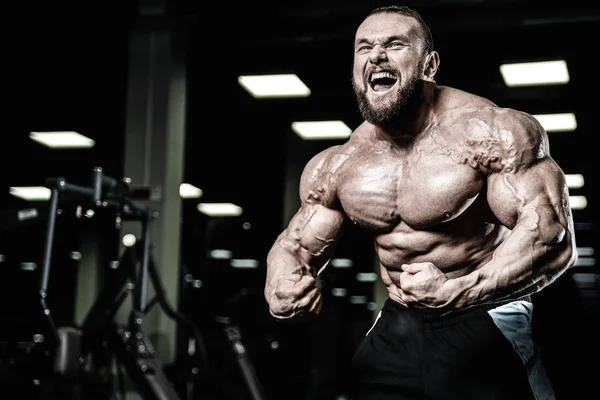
pixel 382 81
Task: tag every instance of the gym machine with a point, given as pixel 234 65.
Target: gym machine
pixel 112 345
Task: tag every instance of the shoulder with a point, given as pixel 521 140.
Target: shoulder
pixel 325 163
pixel 324 156
pixel 518 136
pixel 522 125
pixel 332 159
pixel 318 179
pixel 519 129
pixel 322 173
pixel 507 138
pixel 502 122
pixel 453 98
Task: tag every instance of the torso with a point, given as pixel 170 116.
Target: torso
pixel 427 201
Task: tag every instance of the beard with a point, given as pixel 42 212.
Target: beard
pixel 386 113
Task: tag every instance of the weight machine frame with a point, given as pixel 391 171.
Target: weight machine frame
pixel 127 342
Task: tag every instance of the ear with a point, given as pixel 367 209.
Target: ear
pixel 432 63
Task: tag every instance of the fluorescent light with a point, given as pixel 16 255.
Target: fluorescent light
pixel 585 251
pixel 28 266
pixel 188 191
pixel 358 299
pixel 557 122
pixel 64 139
pixel 341 263
pixel 585 262
pixel 585 280
pixel 31 193
pixel 220 209
pixel 221 254
pixel 574 181
pixel 243 263
pixel 535 73
pixel 319 130
pixel 578 202
pixel 279 85
pixel 366 277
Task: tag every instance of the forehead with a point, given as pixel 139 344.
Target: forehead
pixel 384 25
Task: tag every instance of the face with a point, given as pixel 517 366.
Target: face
pixel 388 67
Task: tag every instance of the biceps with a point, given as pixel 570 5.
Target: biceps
pixel 537 195
pixel 314 232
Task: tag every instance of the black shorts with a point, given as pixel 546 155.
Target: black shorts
pixel 469 355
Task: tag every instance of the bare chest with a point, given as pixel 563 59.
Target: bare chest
pixel 422 189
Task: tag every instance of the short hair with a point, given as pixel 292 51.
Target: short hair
pixel 409 12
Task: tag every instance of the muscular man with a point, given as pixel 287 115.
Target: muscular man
pixel 469 214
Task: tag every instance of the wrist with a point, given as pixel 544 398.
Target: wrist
pixel 462 291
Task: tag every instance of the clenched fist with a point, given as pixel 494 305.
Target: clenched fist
pixel 294 295
pixel 424 285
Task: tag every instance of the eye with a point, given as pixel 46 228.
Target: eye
pixel 363 49
pixel 395 45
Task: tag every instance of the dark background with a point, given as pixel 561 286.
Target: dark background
pixel 65 66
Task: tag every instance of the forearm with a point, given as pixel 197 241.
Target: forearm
pixel 290 288
pixel 297 256
pixel 526 262
pixel 284 259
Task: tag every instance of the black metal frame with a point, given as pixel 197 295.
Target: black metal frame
pixel 234 336
pixel 128 343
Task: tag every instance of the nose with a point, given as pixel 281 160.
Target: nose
pixel 377 54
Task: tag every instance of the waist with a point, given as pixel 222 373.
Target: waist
pixel 448 317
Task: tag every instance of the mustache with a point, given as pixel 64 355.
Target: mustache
pixel 383 67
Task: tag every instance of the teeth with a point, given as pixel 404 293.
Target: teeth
pixel 381 75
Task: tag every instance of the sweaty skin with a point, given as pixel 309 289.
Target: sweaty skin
pixel 463 200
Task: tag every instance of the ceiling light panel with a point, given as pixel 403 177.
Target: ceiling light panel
pixel 270 86
pixel 535 73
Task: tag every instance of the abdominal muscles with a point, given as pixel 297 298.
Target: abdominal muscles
pixel 454 253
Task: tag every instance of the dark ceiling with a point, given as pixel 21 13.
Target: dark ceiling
pixel 65 67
